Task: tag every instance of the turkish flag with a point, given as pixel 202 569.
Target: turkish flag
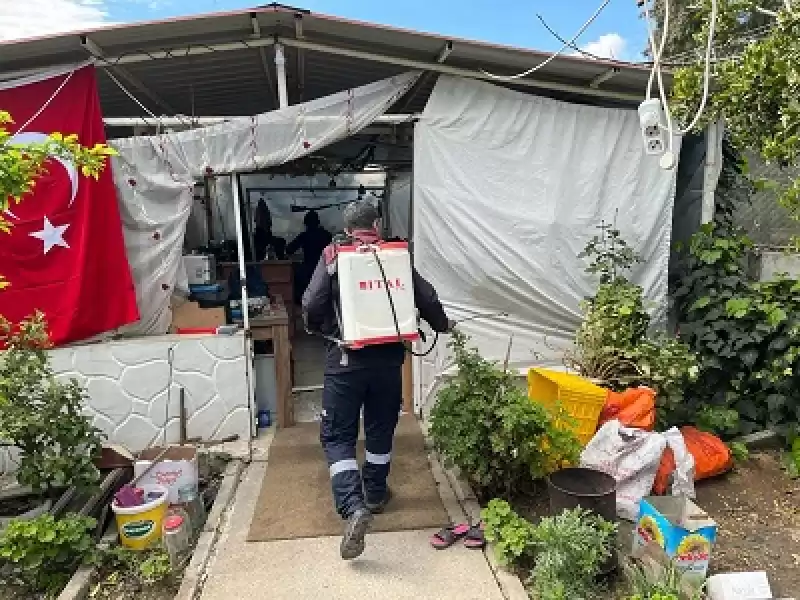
pixel 65 254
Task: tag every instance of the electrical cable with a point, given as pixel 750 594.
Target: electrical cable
pixel 657 73
pixel 130 95
pixel 656 70
pixel 134 98
pixel 552 57
pixel 554 33
pixel 707 73
pixel 46 104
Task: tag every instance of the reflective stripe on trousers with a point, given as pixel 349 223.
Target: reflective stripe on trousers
pixel 379 392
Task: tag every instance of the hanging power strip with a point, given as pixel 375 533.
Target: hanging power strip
pixel 651 119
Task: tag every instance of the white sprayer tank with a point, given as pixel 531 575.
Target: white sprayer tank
pixel 366 313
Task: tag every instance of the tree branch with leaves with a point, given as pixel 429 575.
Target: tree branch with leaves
pixel 756 82
pixel 21 164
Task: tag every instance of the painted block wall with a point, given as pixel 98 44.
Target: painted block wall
pixel 133 387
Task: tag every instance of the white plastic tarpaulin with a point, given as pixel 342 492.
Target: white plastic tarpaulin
pixel 508 189
pixel 400 204
pixel 155 177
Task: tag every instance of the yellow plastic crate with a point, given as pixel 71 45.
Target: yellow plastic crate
pixel 582 399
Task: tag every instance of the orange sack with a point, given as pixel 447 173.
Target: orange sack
pixel 635 407
pixel 711 457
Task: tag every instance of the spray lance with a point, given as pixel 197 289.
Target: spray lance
pixel 419 330
pixel 456 323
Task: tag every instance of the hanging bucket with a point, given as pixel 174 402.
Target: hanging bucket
pixel 589 489
pixel 140 526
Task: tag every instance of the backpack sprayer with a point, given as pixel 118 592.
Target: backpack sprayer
pixel 361 316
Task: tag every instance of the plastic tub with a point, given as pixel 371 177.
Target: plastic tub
pixel 591 490
pixel 582 399
pixel 140 526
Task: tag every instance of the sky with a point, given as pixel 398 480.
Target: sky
pixel 617 33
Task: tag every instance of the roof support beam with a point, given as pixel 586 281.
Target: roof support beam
pixel 280 72
pixel 188 50
pixel 97 52
pixel 262 54
pixel 446 51
pixel 458 72
pixel 603 77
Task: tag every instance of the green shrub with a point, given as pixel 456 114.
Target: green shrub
pixel 572 548
pixel 746 334
pixel 41 416
pixel 668 585
pixel 512 537
pixel 120 570
pixel 40 554
pixel 484 424
pixel 560 558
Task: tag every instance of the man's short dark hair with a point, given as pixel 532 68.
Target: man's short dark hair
pixel 311 219
pixel 360 214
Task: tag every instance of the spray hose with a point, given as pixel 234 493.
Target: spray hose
pixel 436 335
pixel 341 344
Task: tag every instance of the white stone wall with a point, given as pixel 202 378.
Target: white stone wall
pixel 131 397
pixel 772 264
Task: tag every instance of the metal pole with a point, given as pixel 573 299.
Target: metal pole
pixel 386 221
pixel 411 196
pixel 237 217
pixel 280 69
pixel 167 121
pixel 711 171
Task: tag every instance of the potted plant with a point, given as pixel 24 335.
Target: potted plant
pixel 43 419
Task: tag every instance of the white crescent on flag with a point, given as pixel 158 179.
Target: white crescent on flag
pixel 35 137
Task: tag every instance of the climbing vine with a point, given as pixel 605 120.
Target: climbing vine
pixel 746 334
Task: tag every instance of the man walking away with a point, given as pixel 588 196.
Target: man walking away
pixel 368 378
pixel 312 242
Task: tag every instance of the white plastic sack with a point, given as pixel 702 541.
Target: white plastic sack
pixel 683 476
pixel 629 455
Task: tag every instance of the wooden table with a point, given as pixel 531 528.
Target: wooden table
pixel 279 277
pixel 274 327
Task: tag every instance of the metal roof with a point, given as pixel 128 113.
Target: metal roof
pixel 223 63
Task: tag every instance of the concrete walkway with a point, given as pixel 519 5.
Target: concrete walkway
pixel 398 565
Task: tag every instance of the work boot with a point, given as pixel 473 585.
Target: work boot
pixel 353 540
pixel 378 507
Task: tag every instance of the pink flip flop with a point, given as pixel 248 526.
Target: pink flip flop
pixel 474 539
pixel 448 536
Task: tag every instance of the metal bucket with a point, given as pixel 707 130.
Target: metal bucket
pixel 591 490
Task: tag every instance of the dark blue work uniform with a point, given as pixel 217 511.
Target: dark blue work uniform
pixel 369 378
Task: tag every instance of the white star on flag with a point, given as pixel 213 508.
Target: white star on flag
pixel 51 236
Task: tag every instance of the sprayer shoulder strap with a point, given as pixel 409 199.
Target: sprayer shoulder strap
pixel 331 267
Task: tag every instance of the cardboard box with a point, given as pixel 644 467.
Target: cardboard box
pixel 189 315
pixel 681 528
pixel 177 469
